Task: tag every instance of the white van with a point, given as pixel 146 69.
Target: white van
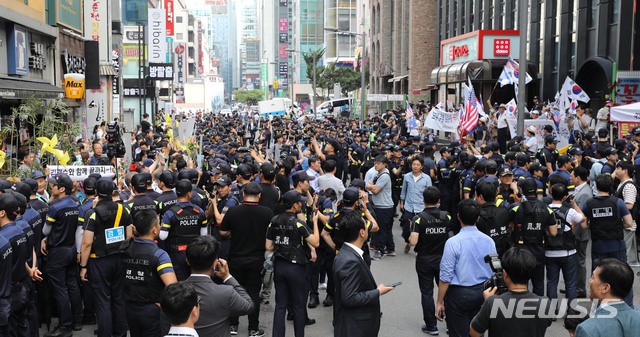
pixel 341 106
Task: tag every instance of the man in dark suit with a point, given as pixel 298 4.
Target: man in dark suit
pixel 357 299
pixel 202 256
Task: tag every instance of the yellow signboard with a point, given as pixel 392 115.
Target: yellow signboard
pixel 74 86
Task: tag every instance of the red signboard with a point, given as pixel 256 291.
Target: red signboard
pixel 458 51
pixel 283 24
pixel 282 51
pixel 501 47
pixel 168 7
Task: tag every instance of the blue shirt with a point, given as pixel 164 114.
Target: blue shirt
pixel 411 192
pixel 462 261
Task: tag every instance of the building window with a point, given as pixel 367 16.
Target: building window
pixel 614 10
pixel 593 18
pixel 179 36
pixel 178 19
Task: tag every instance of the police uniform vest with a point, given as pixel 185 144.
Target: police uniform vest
pixel 565 239
pixel 288 242
pixel 605 222
pixel 141 282
pixel 186 224
pixel 166 200
pixel 141 203
pixel 494 222
pixel 528 223
pixel 433 230
pixel 108 234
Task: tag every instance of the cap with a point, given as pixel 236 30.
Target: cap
pixel 291 197
pixel 139 182
pixel 576 151
pixel 502 106
pixel 610 151
pixel 350 196
pixel 148 162
pixel 483 119
pixel 528 186
pixel 359 183
pixel 167 178
pixel 9 204
pixel 32 183
pixel 537 167
pixel 506 172
pixel 89 185
pixel 535 112
pixel 267 169
pixel 522 159
pixel 532 129
pixel 620 143
pixel 37 174
pixel 62 180
pixel 95 176
pixel 244 171
pixel 105 187
pixel 550 139
pixel 300 176
pixel 183 187
pixel 607 103
pixel 223 181
pixel 23 189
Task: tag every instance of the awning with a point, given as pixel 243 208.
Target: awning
pixel 19 89
pixel 398 78
pixel 428 88
pixel 459 72
pixel 108 70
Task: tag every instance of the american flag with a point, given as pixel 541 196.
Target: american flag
pixel 411 120
pixel 469 119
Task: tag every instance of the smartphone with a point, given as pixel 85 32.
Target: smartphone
pixel 394 284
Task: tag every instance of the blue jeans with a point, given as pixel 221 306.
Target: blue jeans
pixel 384 216
pixel 568 265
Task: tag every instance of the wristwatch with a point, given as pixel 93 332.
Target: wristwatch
pixel 83 267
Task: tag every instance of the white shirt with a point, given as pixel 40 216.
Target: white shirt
pixel 502 120
pixel 182 331
pixel 532 144
pixel 603 113
pixel 357 249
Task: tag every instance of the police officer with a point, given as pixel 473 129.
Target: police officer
pixel 89 187
pixel 343 159
pixel 15 233
pixel 6 258
pixel 548 155
pixel 396 168
pixel 59 246
pixel 223 200
pixel 197 195
pixel 166 182
pixel 182 223
pixel 490 168
pixel 100 260
pixel 286 235
pixel 429 232
pixel 493 220
pixel 147 270
pixel 141 201
pixel 508 190
pixel 151 193
pixel 530 220
pixel 470 181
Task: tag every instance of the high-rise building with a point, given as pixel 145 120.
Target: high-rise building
pixel 309 36
pixel 340 48
pixel 249 45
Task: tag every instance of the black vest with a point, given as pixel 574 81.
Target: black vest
pixel 529 223
pixel 141 280
pixel 289 244
pixel 433 229
pixel 494 222
pixel 106 217
pixel 565 239
pixel 604 221
pixel 186 225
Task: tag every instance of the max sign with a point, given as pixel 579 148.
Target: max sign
pixel 74 86
pixel 458 51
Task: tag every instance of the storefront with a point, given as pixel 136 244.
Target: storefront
pixel 479 56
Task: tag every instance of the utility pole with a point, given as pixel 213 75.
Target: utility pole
pixel 522 77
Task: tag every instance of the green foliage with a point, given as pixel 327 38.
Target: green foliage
pixel 311 59
pixel 348 78
pixel 250 97
pixel 54 116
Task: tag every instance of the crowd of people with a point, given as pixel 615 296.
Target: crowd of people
pixel 291 205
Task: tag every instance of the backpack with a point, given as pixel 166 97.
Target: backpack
pixel 634 210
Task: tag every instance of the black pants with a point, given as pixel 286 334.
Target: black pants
pixel 428 270
pixel 20 305
pixel 180 266
pixel 143 319
pixel 249 276
pixel 384 217
pixel 405 221
pixel 461 305
pixel 354 171
pixel 62 269
pixel 503 137
pixel 105 278
pixel 327 266
pixel 343 170
pixel 5 312
pixel 289 280
pixel 538 279
pixel 313 273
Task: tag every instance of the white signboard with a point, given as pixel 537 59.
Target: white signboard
pixel 157 40
pixel 442 120
pixel 186 130
pixel 78 173
pixel 395 98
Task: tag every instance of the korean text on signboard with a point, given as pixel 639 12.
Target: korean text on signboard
pixel 161 71
pixel 627 90
pixel 77 173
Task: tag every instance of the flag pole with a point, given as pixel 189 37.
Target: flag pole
pixel 522 78
pixel 491 95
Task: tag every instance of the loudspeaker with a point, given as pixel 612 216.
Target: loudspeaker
pixel 92 71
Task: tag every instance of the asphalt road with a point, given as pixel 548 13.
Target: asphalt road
pixel 402 313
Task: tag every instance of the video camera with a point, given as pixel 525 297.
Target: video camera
pixel 115 145
pixel 497 280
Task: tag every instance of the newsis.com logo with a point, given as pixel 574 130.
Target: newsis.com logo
pixel 548 308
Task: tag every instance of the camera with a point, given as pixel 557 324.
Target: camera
pixel 497 280
pixel 115 145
